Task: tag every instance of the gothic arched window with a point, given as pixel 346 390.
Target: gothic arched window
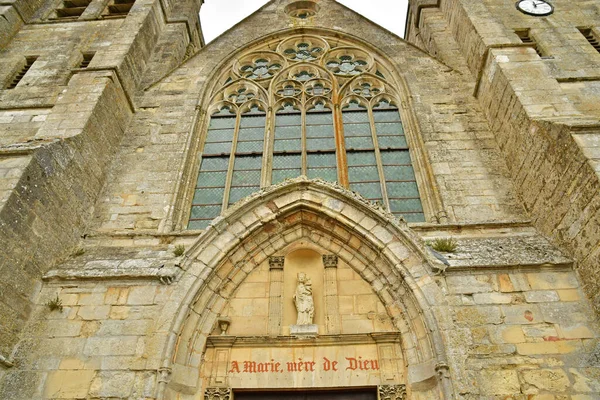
pixel 305 106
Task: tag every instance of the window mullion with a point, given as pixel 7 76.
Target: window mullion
pixel 303 137
pixel 386 200
pixel 229 179
pixel 268 148
pixel 340 147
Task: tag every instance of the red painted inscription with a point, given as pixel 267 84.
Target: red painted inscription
pixel 300 365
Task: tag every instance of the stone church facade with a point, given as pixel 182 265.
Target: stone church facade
pixel 309 207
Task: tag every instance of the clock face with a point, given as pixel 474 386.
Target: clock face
pixel 535 7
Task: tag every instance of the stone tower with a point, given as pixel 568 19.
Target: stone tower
pixel 308 207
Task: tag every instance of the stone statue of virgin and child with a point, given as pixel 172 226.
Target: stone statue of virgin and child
pixel 303 298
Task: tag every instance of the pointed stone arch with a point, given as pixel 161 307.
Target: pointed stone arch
pixel 379 247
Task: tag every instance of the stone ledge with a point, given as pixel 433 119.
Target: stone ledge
pixel 292 341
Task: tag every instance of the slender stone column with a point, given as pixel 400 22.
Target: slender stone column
pixel 275 295
pixel 332 309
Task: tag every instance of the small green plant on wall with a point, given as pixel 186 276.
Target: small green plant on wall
pixel 55 304
pixel 444 245
pixel 179 250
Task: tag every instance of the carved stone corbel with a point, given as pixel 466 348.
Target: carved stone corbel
pixel 218 394
pixel 392 392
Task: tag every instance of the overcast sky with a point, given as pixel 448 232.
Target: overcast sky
pixel 219 15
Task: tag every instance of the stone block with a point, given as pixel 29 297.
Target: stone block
pixel 68 384
pixel 112 384
pixel 93 312
pixel 550 380
pixel 111 346
pixel 552 280
pixel 492 298
pixel 542 296
pixel 478 316
pixel 500 382
pixel 141 295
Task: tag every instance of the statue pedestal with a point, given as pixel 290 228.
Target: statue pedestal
pixel 304 330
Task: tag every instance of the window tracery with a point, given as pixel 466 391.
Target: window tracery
pixel 305 105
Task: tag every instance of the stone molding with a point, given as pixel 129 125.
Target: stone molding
pixel 392 392
pixel 218 394
pixel 286 341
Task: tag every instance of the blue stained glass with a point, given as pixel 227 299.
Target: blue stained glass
pixel 370 190
pixel 220 123
pixel 319 131
pixel 361 116
pixel 288 145
pixel 205 212
pixel 388 115
pixel 395 157
pixel 362 174
pixel 215 164
pixel 289 119
pixel 246 178
pixel 238 193
pixel 217 148
pixel 288 132
pixel 413 217
pixel 248 162
pixel 319 118
pixel 361 158
pixel 208 196
pixel 211 179
pixel 389 128
pixel 252 133
pixel 252 121
pixel 359 143
pixel 392 142
pixel 249 147
pixel 399 173
pixel 328 174
pixel 281 161
pixel 279 175
pixel 406 205
pixel 321 160
pixel 320 144
pixel 357 130
pixel 402 189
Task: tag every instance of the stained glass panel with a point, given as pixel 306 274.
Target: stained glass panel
pixel 288 145
pixel 389 128
pixel 387 115
pixel 361 158
pixel 204 196
pixel 394 142
pixel 319 118
pixel 221 123
pixel 288 119
pixel 356 116
pixel 287 132
pixel 369 190
pixel 211 179
pixel 320 144
pixel 363 173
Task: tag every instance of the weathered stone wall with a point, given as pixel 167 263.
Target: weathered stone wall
pixel 105 154
pixel 59 129
pixel 542 110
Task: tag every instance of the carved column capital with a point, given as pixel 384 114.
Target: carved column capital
pixel 392 392
pixel 218 394
pixel 276 262
pixel 330 260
